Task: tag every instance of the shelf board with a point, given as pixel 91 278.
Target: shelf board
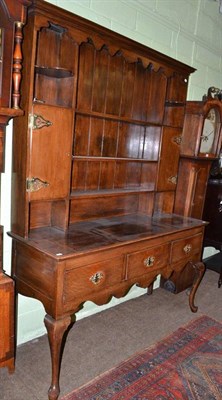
pixel 109 192
pixel 199 157
pixel 101 158
pixel 116 118
pixel 7 112
pixel 53 72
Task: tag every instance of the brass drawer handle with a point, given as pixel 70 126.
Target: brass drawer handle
pixel 187 249
pixel 148 262
pixel 96 278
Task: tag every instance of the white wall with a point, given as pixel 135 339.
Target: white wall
pixel 188 30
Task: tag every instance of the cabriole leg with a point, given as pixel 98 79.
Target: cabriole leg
pixel 199 273
pixel 56 330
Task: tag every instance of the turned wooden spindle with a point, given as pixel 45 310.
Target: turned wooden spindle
pixel 17 65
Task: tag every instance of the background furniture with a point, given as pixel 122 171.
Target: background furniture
pixel 94 182
pixel 200 146
pixel 212 213
pixel 12 18
pixel 201 143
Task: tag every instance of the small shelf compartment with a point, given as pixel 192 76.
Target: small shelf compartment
pixel 55 66
pixel 102 137
pixel 113 174
pixel 115 161
pixel 110 204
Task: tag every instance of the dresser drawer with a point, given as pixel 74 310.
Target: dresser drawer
pixel 89 279
pixel 186 248
pixel 150 259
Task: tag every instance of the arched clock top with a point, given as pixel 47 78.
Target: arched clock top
pixel 210 130
pixel 202 127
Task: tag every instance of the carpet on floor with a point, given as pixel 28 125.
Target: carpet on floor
pixel 185 365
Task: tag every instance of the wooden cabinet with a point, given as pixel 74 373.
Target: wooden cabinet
pixel 191 188
pixel 94 181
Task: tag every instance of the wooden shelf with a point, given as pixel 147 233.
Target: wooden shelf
pixel 199 157
pixel 8 113
pixel 101 158
pixel 109 192
pixel 55 72
pixel 114 117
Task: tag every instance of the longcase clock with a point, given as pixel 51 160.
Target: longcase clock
pixel 201 143
pixel 200 146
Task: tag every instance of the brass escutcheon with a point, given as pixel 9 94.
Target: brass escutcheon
pixel 187 248
pixel 149 261
pixel 96 278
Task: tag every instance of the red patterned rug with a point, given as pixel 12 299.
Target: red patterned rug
pixel 187 365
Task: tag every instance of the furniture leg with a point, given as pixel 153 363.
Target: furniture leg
pixel 150 289
pixel 56 330
pixel 199 272
pixel 11 365
pixel 220 279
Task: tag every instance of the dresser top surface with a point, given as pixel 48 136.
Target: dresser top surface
pixel 103 233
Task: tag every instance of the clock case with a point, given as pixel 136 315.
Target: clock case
pixel 194 165
pixel 196 114
pixel 193 173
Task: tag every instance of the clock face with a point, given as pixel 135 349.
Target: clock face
pixel 210 127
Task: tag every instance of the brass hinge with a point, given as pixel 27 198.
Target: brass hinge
pixel 173 179
pixel 35 184
pixel 37 122
pixel 177 140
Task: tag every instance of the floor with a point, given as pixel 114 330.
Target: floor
pixel 99 342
